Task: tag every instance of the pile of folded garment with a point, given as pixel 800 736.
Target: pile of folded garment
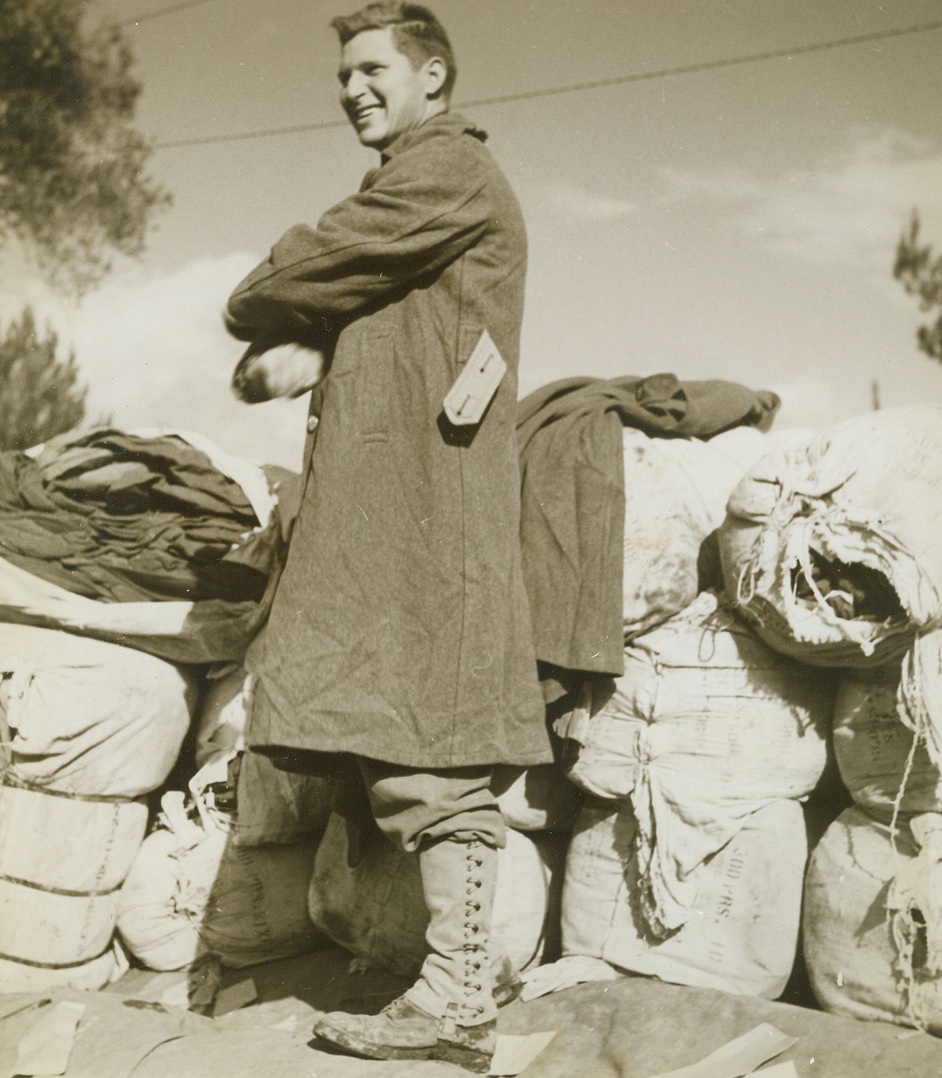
pixel 156 540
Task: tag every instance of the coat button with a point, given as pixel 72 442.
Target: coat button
pixel 312 422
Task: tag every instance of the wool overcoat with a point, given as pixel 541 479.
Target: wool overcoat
pixel 400 629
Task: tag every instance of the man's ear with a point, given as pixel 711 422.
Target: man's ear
pixel 436 72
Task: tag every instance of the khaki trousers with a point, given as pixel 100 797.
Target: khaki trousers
pixel 413 807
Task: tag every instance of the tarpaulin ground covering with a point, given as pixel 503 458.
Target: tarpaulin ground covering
pixel 630 1028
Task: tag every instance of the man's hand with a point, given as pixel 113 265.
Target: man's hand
pixel 286 370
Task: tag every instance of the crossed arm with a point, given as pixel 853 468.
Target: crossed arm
pixel 403 226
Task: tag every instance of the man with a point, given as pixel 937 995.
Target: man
pixel 400 634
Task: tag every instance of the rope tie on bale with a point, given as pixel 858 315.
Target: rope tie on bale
pixel 909 905
pixel 16 783
pixel 900 793
pixel 773 530
pixel 773 522
pixel 912 706
pixel 745 594
pixel 903 904
pixel 32 964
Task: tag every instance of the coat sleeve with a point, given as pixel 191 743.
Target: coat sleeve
pixel 412 220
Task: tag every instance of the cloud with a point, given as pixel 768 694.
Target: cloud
pixel 851 212
pixel 138 334
pixel 577 206
pixel 152 350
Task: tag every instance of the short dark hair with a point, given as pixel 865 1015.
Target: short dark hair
pixel 417 32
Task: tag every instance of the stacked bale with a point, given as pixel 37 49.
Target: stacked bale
pixel 693 760
pixel 90 726
pixel 882 762
pixel 829 561
pixel 88 729
pixel 831 552
pixel 743 928
pixel 872 927
pixel 831 547
pixel 697 757
pixel 193 893
pixel 226 874
pixel 873 915
pixel 675 497
pixel 670 842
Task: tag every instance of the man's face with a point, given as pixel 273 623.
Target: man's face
pixel 382 94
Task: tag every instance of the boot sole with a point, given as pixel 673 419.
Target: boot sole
pixel 374 1051
pixel 470 1059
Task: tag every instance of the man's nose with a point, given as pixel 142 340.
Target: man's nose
pixel 355 86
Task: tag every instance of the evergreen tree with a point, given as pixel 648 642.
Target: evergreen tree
pixel 40 395
pixel 920 272
pixel 72 183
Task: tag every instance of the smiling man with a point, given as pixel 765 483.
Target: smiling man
pixel 400 635
pixel 385 91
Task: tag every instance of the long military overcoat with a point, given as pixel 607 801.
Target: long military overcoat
pixel 400 629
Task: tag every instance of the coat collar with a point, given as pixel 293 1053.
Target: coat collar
pixel 444 123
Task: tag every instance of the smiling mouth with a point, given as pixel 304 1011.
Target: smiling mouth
pixel 363 115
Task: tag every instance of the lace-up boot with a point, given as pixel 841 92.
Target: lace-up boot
pixel 449 1013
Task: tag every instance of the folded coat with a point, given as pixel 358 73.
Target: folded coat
pixel 573 500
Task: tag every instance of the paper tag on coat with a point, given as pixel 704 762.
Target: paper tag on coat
pixel 474 388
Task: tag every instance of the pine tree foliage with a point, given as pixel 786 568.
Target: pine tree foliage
pixel 40 395
pixel 72 181
pixel 920 272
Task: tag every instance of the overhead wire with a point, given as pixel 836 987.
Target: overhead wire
pixel 147 16
pixel 595 84
pixel 711 65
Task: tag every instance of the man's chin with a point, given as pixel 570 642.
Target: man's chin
pixel 375 139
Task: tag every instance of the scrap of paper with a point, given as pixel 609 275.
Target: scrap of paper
pixel 514 1054
pixel 565 973
pixel 45 1048
pixel 780 1070
pixel 740 1056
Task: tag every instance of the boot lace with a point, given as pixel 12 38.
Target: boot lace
pixel 473 959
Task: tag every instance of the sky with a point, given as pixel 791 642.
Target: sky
pixel 735 221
